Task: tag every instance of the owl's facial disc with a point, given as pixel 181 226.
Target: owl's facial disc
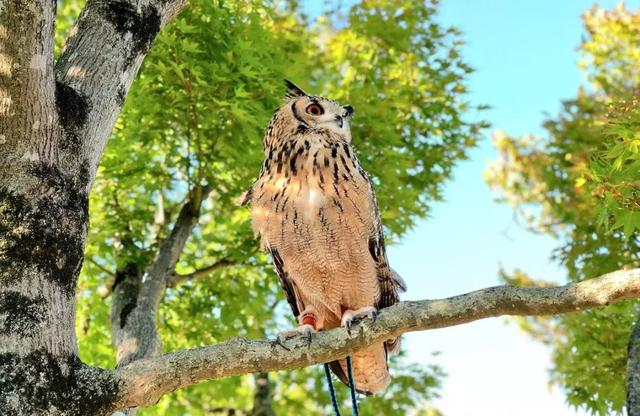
pixel 321 113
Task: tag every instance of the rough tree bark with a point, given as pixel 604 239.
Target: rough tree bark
pixel 54 123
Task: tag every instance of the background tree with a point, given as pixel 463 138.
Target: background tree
pixel 581 184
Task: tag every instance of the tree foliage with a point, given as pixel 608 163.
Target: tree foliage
pixel 195 117
pixel 581 184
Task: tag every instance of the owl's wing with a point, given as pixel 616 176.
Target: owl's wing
pixel 286 284
pixel 390 283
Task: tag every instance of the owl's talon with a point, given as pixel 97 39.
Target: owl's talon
pixel 280 343
pixel 350 317
pixel 347 326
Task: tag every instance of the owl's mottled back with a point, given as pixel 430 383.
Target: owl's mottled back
pixel 315 211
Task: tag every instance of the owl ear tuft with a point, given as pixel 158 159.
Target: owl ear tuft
pixel 293 91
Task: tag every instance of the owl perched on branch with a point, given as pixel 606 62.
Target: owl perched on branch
pixel 315 211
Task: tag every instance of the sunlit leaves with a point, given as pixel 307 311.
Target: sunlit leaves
pixel 67 12
pixel 610 51
pixel 614 172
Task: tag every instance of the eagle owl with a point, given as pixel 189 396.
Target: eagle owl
pixel 315 211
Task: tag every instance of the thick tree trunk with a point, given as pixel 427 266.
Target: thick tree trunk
pixel 43 223
pixel 42 233
pixel 54 123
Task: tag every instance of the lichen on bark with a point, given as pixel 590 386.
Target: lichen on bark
pixel 40 383
pixel 45 229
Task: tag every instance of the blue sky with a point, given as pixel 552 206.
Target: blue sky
pixel 525 56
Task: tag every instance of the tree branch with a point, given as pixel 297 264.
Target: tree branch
pixel 137 336
pixel 93 74
pixel 147 380
pixel 175 279
pixel 170 250
pixel 101 267
pixel 125 295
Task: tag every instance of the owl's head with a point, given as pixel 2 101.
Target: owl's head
pixel 317 113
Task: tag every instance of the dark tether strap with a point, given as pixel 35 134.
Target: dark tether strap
pixel 352 388
pixel 332 392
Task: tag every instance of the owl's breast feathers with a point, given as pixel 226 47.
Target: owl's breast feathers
pixel 316 212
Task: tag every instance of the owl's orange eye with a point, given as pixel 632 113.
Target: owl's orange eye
pixel 315 109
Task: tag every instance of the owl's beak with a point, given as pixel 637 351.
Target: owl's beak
pixel 348 109
pixel 339 121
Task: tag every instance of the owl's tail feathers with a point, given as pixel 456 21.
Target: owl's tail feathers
pixel 398 281
pixel 393 346
pixel 369 370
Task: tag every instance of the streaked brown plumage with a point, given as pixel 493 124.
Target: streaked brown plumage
pixel 315 210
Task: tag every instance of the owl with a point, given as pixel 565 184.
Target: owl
pixel 315 211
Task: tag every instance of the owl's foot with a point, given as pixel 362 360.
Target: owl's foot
pixel 307 328
pixel 350 317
